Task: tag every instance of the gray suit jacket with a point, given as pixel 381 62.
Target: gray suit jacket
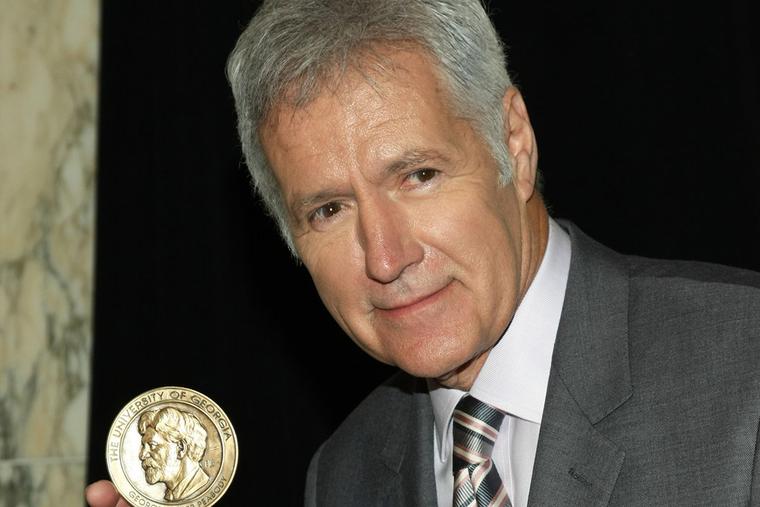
pixel 653 398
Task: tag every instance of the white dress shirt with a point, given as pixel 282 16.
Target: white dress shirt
pixel 514 379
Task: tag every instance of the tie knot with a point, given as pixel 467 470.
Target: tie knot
pixel 476 425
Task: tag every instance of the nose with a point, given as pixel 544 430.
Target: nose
pixel 386 235
pixel 144 454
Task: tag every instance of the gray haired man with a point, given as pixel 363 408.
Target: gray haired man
pixel 385 138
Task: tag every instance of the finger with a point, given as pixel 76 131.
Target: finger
pixel 102 494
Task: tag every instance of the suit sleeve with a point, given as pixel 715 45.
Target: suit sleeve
pixel 310 494
pixel 755 493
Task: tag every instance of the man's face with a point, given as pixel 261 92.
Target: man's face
pixel 159 457
pixel 397 213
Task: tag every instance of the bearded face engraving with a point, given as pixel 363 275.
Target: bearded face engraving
pixel 159 457
pixel 172 444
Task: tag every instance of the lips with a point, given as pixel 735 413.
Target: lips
pixel 412 304
pixel 149 463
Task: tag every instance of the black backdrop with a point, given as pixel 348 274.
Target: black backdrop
pixel 647 114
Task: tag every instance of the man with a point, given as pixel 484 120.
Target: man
pixel 173 443
pixel 387 141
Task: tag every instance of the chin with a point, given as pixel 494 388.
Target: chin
pixel 152 477
pixel 433 342
pixel 437 362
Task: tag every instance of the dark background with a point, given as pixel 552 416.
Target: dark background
pixel 647 115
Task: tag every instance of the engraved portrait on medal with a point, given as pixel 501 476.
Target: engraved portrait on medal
pixel 172 446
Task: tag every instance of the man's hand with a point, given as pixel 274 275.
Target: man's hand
pixel 103 494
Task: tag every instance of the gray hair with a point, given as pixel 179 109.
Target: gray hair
pixel 291 48
pixel 176 426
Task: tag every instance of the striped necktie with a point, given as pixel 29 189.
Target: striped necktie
pixel 476 481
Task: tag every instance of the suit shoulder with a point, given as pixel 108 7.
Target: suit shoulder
pixel 692 273
pixel 353 464
pixel 693 293
pixel 699 316
pixel 367 427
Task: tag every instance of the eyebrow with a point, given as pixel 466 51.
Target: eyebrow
pixel 413 158
pixel 408 159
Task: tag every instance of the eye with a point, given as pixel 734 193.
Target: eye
pixel 421 176
pixel 325 212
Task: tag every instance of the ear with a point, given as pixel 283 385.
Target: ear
pixel 181 449
pixel 521 143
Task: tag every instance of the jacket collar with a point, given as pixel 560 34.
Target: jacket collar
pixel 591 351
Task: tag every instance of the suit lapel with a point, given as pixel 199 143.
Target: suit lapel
pixel 408 454
pixel 590 378
pixel 575 464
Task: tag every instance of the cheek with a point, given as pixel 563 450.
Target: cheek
pixel 338 274
pixel 477 233
pixel 343 287
pixel 170 459
pixel 481 238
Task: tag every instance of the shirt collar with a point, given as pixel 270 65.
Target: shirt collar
pixel 515 375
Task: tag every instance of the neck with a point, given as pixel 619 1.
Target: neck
pixel 187 469
pixel 535 239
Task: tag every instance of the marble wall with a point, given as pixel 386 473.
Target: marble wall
pixel 48 89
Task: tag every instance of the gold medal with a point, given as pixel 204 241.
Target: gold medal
pixel 172 446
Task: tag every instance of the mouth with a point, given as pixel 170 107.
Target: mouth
pixel 415 304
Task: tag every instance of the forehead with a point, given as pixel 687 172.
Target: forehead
pixel 372 115
pixel 151 435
